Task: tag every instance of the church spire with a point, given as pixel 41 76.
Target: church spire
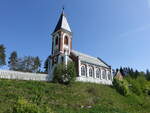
pixel 62 23
pixel 63 9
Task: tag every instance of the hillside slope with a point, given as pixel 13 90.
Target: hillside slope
pixel 77 98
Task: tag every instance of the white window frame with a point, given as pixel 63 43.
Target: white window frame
pixel 104 74
pixel 91 72
pixel 98 73
pixel 109 76
pixel 83 70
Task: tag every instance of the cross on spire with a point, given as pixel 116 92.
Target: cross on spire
pixel 63 7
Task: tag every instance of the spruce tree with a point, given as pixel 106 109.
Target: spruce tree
pixel 37 64
pixel 46 65
pixel 13 61
pixel 148 75
pixel 2 55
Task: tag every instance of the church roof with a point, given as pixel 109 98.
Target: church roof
pixel 62 23
pixel 90 59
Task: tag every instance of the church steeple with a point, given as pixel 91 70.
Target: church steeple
pixel 62 37
pixel 62 23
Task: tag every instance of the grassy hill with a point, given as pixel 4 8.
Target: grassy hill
pixel 77 98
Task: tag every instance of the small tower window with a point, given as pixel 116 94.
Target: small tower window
pixel 66 40
pixel 56 43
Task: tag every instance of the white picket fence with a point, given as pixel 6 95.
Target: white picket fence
pixel 7 74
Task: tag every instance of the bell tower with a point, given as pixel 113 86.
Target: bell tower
pixel 61 39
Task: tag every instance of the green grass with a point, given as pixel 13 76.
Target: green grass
pixel 77 98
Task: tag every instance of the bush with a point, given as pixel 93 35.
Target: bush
pixel 137 85
pixel 63 74
pixel 59 71
pixel 121 86
pixel 147 88
pixel 23 106
pixel 142 82
pixel 136 88
pixel 71 72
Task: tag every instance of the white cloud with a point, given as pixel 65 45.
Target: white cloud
pixel 136 30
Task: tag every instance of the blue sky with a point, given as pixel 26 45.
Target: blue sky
pixel 118 31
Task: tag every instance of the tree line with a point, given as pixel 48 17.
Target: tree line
pixel 33 64
pixel 24 64
pixel 127 71
pixel 134 82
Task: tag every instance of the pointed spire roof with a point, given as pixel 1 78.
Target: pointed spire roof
pixel 62 23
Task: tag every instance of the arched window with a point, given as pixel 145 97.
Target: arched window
pixel 66 40
pixel 98 73
pixel 91 72
pixel 83 70
pixel 109 76
pixel 56 41
pixel 104 74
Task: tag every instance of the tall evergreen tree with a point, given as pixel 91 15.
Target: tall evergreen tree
pixel 148 74
pixel 122 71
pixel 136 73
pixel 13 61
pixel 2 55
pixel 37 64
pixel 46 65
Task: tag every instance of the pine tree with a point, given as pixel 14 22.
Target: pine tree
pixel 121 71
pixel 148 74
pixel 136 73
pixel 2 55
pixel 37 64
pixel 13 61
pixel 46 65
